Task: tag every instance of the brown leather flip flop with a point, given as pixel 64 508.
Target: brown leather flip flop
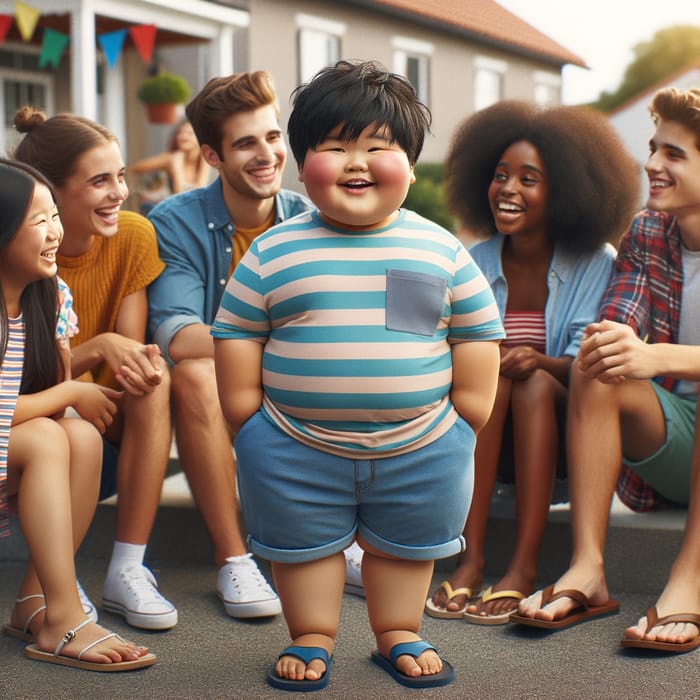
pixel 582 612
pixel 653 620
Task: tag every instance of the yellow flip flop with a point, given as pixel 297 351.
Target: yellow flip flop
pixel 501 618
pixel 444 614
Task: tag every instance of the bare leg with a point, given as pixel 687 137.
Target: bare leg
pixel 38 472
pixel 600 417
pixel 396 591
pixel 85 449
pixel 143 458
pixel 311 595
pixel 470 563
pixel 681 593
pixel 204 446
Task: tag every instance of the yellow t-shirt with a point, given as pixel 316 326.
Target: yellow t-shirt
pixel 243 237
pixel 113 268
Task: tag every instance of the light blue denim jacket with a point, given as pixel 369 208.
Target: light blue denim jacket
pixel 194 233
pixel 576 284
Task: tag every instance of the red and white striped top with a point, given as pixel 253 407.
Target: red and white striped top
pixel 525 328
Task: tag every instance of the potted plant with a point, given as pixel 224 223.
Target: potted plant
pixel 162 93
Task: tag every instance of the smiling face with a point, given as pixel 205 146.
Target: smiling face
pixel 31 254
pixel 254 154
pixel 519 190
pixel 673 168
pixel 357 184
pixel 90 198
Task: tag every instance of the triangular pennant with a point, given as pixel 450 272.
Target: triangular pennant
pixel 112 44
pixel 5 24
pixel 52 45
pixel 27 17
pixel 144 37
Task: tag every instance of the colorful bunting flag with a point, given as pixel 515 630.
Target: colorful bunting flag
pixel 111 44
pixel 5 24
pixel 27 17
pixel 54 43
pixel 144 38
pixel 52 46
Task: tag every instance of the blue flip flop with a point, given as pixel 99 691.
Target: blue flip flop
pixel 414 649
pixel 306 654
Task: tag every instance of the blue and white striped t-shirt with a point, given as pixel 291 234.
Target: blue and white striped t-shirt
pixel 357 327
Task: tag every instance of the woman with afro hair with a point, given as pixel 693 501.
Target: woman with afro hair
pixel 550 191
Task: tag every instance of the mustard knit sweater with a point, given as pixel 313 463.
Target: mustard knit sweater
pixel 113 268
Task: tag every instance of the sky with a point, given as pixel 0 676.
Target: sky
pixel 603 33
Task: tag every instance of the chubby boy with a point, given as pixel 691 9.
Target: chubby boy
pixel 356 352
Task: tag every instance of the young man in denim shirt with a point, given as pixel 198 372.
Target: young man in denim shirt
pixel 202 234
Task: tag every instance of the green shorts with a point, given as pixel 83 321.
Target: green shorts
pixel 668 469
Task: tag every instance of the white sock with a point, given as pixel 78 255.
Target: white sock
pixel 125 554
pixel 238 559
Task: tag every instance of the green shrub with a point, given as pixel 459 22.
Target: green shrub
pixel 426 195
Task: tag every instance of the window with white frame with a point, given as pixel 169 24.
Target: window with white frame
pixel 547 92
pixel 318 42
pixel 21 82
pixel 412 60
pixel 488 81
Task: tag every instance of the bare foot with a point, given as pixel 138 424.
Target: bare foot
pixel 504 605
pixel 593 586
pixel 679 596
pixel 427 664
pixel 671 632
pixel 464 577
pixel 295 669
pixel 113 649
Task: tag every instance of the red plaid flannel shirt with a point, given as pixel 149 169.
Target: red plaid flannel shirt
pixel 645 293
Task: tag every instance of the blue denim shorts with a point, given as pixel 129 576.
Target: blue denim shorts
pixel 108 479
pixel 302 504
pixel 668 469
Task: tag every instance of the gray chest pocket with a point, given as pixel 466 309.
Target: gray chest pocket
pixel 414 301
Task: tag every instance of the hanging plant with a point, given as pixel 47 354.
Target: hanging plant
pixel 162 93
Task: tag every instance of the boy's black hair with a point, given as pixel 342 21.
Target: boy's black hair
pixel 353 95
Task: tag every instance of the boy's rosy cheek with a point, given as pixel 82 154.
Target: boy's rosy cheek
pixel 315 171
pixel 393 170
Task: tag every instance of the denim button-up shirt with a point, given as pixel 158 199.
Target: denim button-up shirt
pixel 576 284
pixel 194 233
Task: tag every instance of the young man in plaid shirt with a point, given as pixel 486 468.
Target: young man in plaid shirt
pixel 632 417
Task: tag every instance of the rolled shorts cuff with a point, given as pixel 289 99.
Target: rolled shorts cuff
pixel 293 556
pixel 413 553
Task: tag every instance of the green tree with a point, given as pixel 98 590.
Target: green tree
pixel 667 52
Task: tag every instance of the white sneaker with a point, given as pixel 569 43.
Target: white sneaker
pixel 244 590
pixel 353 570
pixel 88 607
pixel 133 594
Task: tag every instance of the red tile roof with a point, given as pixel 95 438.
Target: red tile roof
pixel 483 20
